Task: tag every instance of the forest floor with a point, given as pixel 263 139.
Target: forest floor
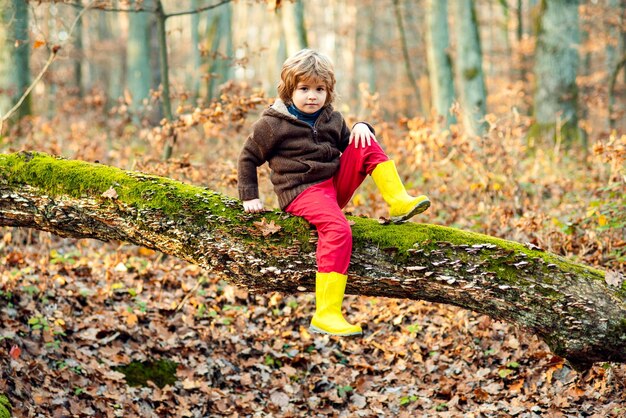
pixel 74 311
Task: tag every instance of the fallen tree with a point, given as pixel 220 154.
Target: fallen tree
pixel 580 312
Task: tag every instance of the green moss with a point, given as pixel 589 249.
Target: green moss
pixel 57 177
pixel 412 235
pixel 161 372
pixel 5 407
pixel 78 178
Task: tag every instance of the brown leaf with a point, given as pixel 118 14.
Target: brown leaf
pixel 481 395
pixel 280 399
pixel 613 278
pixel 267 228
pixel 110 194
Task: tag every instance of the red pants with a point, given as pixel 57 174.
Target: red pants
pixel 321 206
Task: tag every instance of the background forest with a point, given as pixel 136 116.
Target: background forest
pixel 508 114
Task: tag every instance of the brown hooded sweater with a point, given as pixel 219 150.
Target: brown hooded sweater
pixel 299 155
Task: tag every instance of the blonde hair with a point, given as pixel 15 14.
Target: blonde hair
pixel 304 65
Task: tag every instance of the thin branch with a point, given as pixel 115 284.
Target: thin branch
pixel 198 10
pixel 51 58
pixel 141 10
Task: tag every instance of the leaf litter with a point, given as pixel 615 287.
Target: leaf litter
pixel 246 354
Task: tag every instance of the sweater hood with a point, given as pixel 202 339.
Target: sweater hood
pixel 279 109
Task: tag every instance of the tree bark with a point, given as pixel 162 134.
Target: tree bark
pixel 439 61
pixel 407 57
pixel 580 312
pixel 6 57
pixel 21 56
pixel 138 67
pixel 555 101
pixel 469 66
pixel 220 38
pixel 292 17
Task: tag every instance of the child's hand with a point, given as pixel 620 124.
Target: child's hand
pixel 361 133
pixel 254 206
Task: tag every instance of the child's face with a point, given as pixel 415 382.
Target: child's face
pixel 309 95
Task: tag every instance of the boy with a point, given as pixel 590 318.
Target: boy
pixel 315 171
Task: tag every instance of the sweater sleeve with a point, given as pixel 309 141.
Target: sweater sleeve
pixel 253 155
pixel 344 136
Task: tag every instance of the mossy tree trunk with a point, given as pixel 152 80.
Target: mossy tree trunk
pixel 579 311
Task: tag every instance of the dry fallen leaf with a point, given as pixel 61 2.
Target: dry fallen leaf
pixel 267 228
pixel 280 399
pixel 131 319
pixel 613 278
pixel 110 194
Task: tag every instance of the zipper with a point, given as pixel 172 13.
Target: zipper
pixel 314 127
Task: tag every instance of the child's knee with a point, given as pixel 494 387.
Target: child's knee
pixel 340 231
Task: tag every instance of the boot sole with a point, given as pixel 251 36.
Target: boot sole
pixel 317 330
pixel 419 208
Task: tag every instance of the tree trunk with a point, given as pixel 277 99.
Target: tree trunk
pixel 106 69
pixel 166 105
pixel 555 99
pixel 371 48
pixel 220 39
pixel 78 56
pixel 579 311
pixel 303 40
pixel 622 13
pixel 407 57
pixel 439 61
pixel 196 57
pixel 611 91
pixel 292 17
pixel 139 74
pixel 469 68
pixel 21 56
pixel 6 59
pixel 614 48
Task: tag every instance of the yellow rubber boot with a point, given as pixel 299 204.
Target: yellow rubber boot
pixel 329 290
pixel 402 206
